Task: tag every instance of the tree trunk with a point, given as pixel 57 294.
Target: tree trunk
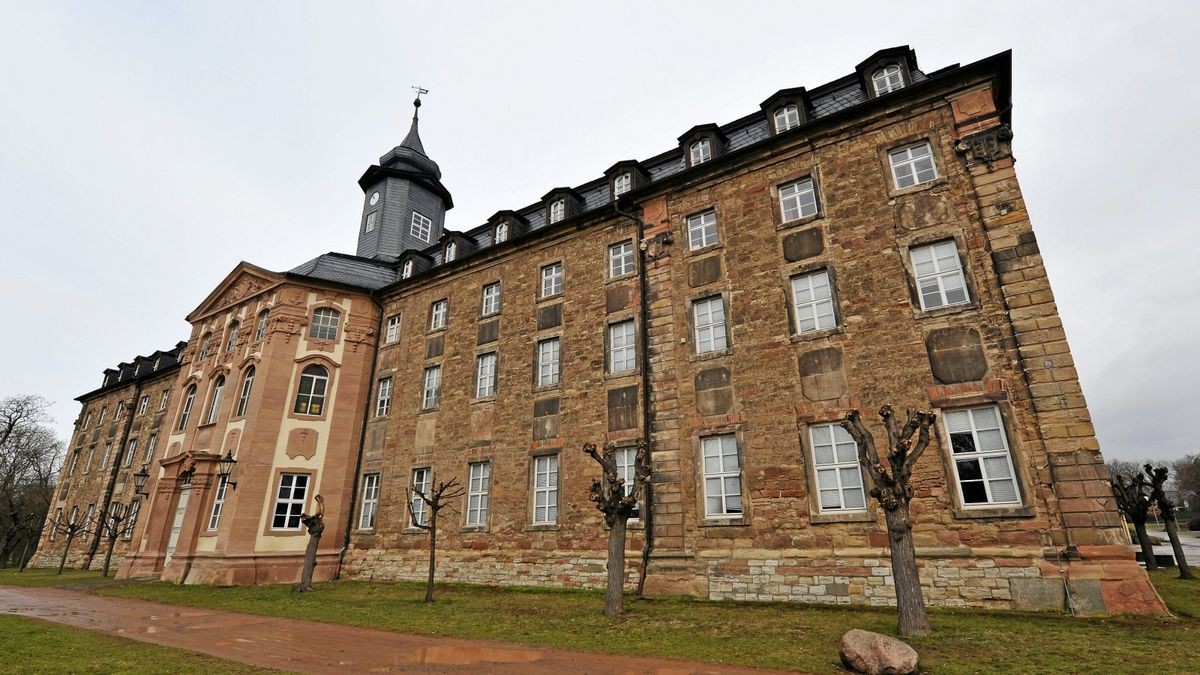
pixel 24 556
pixel 310 562
pixel 432 556
pixel 910 603
pixel 614 600
pixel 1147 547
pixel 1180 559
pixel 112 541
pixel 66 549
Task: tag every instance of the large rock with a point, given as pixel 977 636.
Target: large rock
pixel 875 654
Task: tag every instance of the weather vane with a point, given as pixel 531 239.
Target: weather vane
pixel 419 91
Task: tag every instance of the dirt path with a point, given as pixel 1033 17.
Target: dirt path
pixel 310 647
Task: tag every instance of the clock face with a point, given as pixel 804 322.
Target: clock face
pixel 374 199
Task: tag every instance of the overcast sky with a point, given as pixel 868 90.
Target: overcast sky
pixel 146 148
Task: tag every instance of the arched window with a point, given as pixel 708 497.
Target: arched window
pixel 261 331
pixel 215 406
pixel 325 324
pixel 189 398
pixel 886 79
pixel 701 151
pixel 310 398
pixel 231 342
pixel 451 251
pixel 501 233
pixel 622 184
pixel 204 342
pixel 406 271
pixel 786 118
pixel 244 399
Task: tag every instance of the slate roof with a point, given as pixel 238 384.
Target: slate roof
pixel 139 368
pixel 348 269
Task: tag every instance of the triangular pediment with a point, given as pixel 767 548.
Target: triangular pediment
pixel 244 281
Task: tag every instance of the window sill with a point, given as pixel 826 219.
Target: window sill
pixel 538 389
pixel 711 355
pixel 380 418
pixel 425 411
pixel 484 399
pixel 413 530
pixel 800 222
pixel 624 277
pixel 205 425
pixel 817 334
pixel 549 298
pixel 946 311
pixel 893 192
pixel 474 529
pixel 740 521
pixel 435 331
pixel 847 517
pixel 1013 511
pixel 624 374
pixel 719 246
pixel 491 315
pixel 543 527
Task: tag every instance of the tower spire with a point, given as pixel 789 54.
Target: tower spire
pixel 413 140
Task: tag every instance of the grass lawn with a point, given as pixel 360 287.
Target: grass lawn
pixel 33 646
pixel 1182 596
pixel 47 577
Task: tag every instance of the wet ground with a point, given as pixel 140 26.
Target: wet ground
pixel 310 647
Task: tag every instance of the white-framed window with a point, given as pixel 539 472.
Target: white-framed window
pixel 372 218
pixel 231 343
pixel 912 165
pixel 485 375
pixel 722 477
pixel 162 402
pixel 260 330
pixel 786 117
pixel 812 298
pixel 107 455
pixel 310 396
pixel 214 519
pixel 383 399
pixel 103 414
pixel 431 388
pixel 491 299
pixel 545 490
pixel 622 354
pixel 289 501
pixel 215 406
pixel 552 279
pixel 87 466
pixel 887 79
pixel 501 233
pixel 702 230
pixel 130 451
pixel 135 507
pixel 451 252
pixel 117 410
pixel 438 312
pixel 114 512
pixel 838 474
pixel 143 405
pixel 798 199
pixel 558 210
pixel 150 447
pixel 74 515
pixel 700 151
pixel 479 485
pixel 393 330
pixel 325 324
pixel 370 502
pixel 620 259
pixel 186 412
pixel 622 183
pixel 421 227
pixel 549 362
pixel 708 315
pixel 420 486
pixel 626 468
pixel 74 462
pixel 204 343
pixel 87 419
pixel 406 270
pixel 247 387
pixel 982 461
pixel 940 281
pixel 55 523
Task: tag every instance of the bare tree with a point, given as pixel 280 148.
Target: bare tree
pixel 29 456
pixel 1187 480
pixel 316 527
pixel 437 499
pixel 617 504
pixel 71 529
pixel 118 513
pixel 894 492
pixel 1133 499
pixel 1158 477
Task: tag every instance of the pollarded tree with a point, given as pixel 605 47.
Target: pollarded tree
pixel 1158 477
pixel 315 523
pixel 893 490
pixel 617 504
pixel 438 498
pixel 113 525
pixel 71 529
pixel 1133 499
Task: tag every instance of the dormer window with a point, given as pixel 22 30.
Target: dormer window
pixel 786 118
pixel 451 252
pixel 700 151
pixel 887 79
pixel 622 184
pixel 157 362
pixel 501 233
pixel 406 270
pixel 558 210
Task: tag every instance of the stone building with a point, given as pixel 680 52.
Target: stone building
pixel 860 243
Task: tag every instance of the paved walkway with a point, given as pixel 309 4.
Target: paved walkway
pixel 310 647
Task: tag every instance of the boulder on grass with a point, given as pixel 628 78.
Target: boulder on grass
pixel 875 654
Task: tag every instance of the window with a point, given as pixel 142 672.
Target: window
pixel 479 483
pixel 722 477
pixel 838 474
pixel 135 508
pixel 558 210
pixel 622 184
pixel 393 330
pixel 887 79
pixel 370 501
pixel 204 342
pixel 162 402
pixel 289 501
pixel 786 118
pixel 912 165
pixel 407 270
pixel 87 420
pixel 626 468
pixel 383 400
pixel 797 200
pixel 117 410
pixel 940 281
pixel 451 252
pixel 421 227
pixel 545 490
pixel 143 405
pixel 74 515
pixel 215 406
pixel 622 355
pixel 233 336
pixel 260 331
pixel 620 259
pixel 107 454
pixel 501 233
pixel 87 466
pixel 74 462
pixel 549 362
pixel 150 449
pixel 700 151
pixel 552 280
pixel 491 299
pixel 432 387
pixel 310 397
pixel 702 230
pixel 437 314
pixel 709 317
pixel 812 297
pixel 110 523
pixel 87 518
pixel 188 399
pixel 247 386
pixel 325 324
pixel 103 414
pixel 982 462
pixel 485 375
pixel 372 218
pixel 55 523
pixel 218 503
pixel 130 451
pixel 420 486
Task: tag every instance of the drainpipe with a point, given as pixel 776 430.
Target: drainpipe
pixel 102 514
